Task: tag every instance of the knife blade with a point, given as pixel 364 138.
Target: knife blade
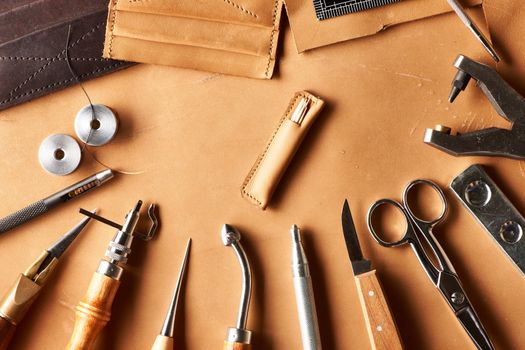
pixel 359 264
pixel 381 327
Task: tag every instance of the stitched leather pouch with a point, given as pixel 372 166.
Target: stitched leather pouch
pixel 33 63
pixel 271 164
pixel 237 37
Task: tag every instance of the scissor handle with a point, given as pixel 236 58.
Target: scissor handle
pixel 378 237
pixel 437 189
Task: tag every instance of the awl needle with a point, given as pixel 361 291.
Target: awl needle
pixel 465 18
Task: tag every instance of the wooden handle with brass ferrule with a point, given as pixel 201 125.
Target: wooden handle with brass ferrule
pixel 93 311
pixel 380 324
pixel 236 346
pixel 163 342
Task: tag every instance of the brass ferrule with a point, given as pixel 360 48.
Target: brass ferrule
pixel 19 298
pixel 41 277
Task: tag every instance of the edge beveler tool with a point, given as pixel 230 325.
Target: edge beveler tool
pixel 491 141
pixel 27 287
pixel 239 338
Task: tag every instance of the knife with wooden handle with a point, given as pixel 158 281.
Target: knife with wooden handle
pixel 382 330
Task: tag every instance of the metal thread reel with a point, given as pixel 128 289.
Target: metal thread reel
pixel 98 128
pixel 59 154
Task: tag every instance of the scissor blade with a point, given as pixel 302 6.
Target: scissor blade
pixel 359 264
pixel 474 328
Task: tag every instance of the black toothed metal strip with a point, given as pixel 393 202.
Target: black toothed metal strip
pixel 343 7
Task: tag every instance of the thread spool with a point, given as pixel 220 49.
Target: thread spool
pixel 97 126
pixel 59 154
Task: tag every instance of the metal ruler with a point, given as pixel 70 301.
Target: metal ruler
pixel 332 8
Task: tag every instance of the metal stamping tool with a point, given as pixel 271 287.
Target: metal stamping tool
pixel 239 337
pixel 27 287
pixel 164 340
pixel 96 125
pixel 93 312
pixel 42 206
pixel 483 198
pixel 487 142
pixel 304 294
pixel 59 154
pixel 381 327
pixel 467 21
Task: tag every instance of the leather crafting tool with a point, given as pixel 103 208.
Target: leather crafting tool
pixel 239 338
pixel 467 21
pixel 380 324
pixel 42 206
pixel 508 103
pixel 493 210
pixel 94 310
pixel 164 340
pixel 325 9
pixel 444 276
pixel 304 294
pixel 27 287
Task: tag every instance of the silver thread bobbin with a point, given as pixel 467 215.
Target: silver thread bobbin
pixel 59 154
pixel 98 128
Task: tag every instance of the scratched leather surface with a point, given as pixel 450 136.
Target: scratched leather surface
pixel 196 135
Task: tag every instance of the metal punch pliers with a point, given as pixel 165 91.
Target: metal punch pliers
pixel 487 142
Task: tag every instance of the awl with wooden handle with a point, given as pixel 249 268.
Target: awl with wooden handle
pixel 164 340
pixel 94 311
pixel 380 324
pixel 21 296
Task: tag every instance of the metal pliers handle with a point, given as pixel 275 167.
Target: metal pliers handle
pixel 487 142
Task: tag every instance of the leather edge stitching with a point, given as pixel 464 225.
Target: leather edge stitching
pixel 272 42
pixel 113 20
pixel 260 159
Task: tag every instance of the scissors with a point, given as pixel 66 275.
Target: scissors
pixel 443 277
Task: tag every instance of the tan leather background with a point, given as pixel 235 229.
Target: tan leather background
pixel 196 135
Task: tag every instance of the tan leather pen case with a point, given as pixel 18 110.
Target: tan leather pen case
pixel 271 164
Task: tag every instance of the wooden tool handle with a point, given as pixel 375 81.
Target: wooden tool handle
pixel 163 343
pixel 236 346
pixel 381 327
pixel 93 312
pixel 7 329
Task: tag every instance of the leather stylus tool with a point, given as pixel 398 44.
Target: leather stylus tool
pixel 94 310
pixel 239 338
pixel 164 340
pixel 25 290
pixel 380 324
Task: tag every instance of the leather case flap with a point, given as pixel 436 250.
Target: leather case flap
pixel 310 33
pixel 224 36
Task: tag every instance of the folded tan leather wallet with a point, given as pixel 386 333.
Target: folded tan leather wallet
pixel 237 37
pixel 271 164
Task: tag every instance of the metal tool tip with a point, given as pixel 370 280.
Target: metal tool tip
pixel 105 175
pixel 453 94
pixel 295 232
pixel 139 204
pixel 229 235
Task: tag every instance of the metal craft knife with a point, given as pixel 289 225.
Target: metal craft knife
pixel 380 324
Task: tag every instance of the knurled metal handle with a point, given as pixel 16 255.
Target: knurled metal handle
pixel 22 216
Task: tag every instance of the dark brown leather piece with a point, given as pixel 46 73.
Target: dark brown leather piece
pixel 35 64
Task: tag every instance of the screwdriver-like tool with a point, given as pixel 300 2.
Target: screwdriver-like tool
pixel 25 290
pixel 304 294
pixel 164 340
pixel 239 338
pixel 94 311
pixel 467 21
pixel 380 324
